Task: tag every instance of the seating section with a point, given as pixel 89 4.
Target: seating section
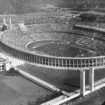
pixel 50 36
pixel 88 42
pixel 18 38
pixel 98 25
pixel 47 19
pixel 53 25
pixel 48 27
pixel 39 17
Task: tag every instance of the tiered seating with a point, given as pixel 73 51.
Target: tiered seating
pixel 50 36
pixel 47 19
pixel 15 33
pixel 88 42
pixel 16 38
pixel 40 16
pixel 91 42
pixel 48 28
pixel 23 41
pixel 100 47
pixel 85 33
pixel 74 38
pixel 53 26
pixel 97 25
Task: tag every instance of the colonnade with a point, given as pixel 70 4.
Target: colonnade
pixel 55 62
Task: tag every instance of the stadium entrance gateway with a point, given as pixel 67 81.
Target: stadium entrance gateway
pixel 91 87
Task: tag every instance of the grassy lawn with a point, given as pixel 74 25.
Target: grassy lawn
pixel 15 90
pixel 67 80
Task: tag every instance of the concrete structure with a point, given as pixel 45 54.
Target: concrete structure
pixel 23 27
pixel 82 81
pixel 61 63
pixel 10 23
pixel 4 21
pixel 5 65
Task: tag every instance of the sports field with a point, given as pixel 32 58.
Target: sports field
pixel 58 48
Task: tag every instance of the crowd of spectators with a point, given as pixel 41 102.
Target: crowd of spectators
pixel 18 38
pixel 92 39
pixel 48 27
pixel 55 26
pixel 50 36
pixel 15 37
pixel 46 19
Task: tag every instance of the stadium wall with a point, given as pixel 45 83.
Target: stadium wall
pixel 60 63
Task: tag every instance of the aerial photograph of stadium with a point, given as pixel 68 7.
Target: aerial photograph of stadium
pixel 52 52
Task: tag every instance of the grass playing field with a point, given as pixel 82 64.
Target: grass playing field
pixel 57 48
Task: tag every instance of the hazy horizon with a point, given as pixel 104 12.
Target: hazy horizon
pixel 26 6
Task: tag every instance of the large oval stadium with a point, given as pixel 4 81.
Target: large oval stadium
pixel 59 41
pixel 55 44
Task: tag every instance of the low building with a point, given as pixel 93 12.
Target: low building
pixel 5 65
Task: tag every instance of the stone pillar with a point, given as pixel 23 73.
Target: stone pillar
pixel 91 79
pixel 59 62
pixel 82 82
pixel 4 21
pixel 10 23
pixel 48 61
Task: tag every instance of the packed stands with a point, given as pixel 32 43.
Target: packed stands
pixel 43 32
pixel 16 37
pixel 53 25
pixel 48 27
